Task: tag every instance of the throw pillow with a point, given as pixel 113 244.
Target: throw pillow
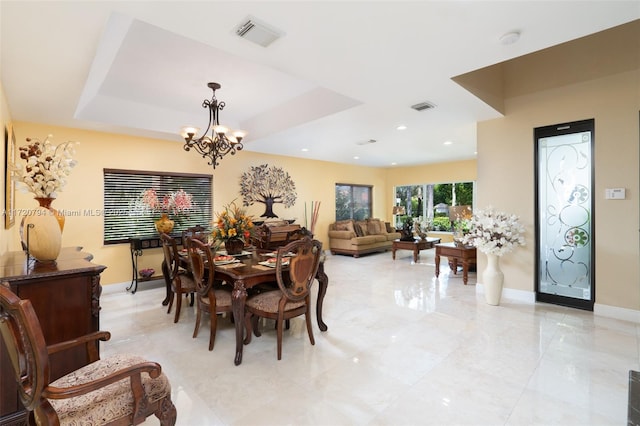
pixel 381 227
pixel 345 225
pixel 363 227
pixel 358 229
pixel 373 226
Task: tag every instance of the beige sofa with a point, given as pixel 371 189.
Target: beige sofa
pixel 361 237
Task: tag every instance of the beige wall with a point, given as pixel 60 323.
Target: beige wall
pixel 314 180
pixel 506 173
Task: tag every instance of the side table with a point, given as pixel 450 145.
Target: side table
pixel 463 254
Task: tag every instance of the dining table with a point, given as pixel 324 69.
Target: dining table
pixel 250 271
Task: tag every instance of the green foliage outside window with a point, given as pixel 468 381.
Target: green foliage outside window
pixel 415 198
pixel 441 224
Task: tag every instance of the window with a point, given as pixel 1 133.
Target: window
pixel 427 202
pixel 123 217
pixel 353 201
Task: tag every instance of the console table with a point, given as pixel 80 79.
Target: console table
pixel 136 245
pixel 456 254
pixel 66 298
pixel 416 246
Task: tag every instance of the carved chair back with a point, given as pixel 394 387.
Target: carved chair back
pixel 171 255
pixel 25 345
pixel 198 232
pixel 200 257
pixel 295 282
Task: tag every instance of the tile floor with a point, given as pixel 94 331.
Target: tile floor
pixel 403 348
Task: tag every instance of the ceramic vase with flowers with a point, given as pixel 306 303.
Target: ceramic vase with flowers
pixel 233 227
pixel 494 233
pixel 173 205
pixel 43 173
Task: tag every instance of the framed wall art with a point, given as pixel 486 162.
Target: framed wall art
pixel 9 184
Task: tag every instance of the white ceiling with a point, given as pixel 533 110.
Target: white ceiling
pixel 343 73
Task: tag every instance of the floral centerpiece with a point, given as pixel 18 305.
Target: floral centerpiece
pixel 46 166
pixel 233 225
pixel 494 232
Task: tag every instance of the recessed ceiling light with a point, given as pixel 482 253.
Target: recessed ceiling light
pixel 356 158
pixel 448 143
pixel 305 149
pixel 394 163
pixel 510 38
pixel 401 127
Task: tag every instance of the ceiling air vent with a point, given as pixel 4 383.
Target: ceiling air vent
pixel 422 106
pixel 258 32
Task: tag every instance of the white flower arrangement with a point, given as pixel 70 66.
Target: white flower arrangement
pixel 495 232
pixel 45 167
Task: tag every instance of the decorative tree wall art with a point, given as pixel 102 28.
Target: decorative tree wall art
pixel 267 185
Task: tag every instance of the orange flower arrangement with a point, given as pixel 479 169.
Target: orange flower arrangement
pixel 233 223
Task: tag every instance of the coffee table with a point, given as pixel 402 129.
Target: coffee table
pixel 416 245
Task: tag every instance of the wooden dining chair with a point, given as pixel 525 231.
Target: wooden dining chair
pixel 118 390
pixel 181 280
pixel 212 297
pixel 292 298
pixel 198 232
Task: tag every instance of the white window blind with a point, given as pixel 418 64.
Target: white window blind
pixel 124 217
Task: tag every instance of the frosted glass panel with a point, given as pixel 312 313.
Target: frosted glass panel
pixel 564 215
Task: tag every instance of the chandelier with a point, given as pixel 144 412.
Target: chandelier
pixel 222 140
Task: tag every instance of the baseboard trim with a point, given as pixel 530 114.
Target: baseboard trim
pixel 601 310
pixel 615 312
pixel 122 287
pixel 512 294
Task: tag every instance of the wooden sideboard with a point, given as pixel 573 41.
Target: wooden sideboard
pixel 270 237
pixel 66 297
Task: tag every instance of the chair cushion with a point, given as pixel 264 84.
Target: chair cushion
pixel 109 403
pixel 187 284
pixel 268 302
pixel 223 299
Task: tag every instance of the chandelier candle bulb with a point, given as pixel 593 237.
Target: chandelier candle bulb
pixel 189 132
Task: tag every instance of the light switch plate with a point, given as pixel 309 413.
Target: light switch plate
pixel 615 194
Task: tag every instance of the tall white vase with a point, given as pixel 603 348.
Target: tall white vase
pixel 493 278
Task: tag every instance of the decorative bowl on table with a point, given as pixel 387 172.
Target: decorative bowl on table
pixel 147 273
